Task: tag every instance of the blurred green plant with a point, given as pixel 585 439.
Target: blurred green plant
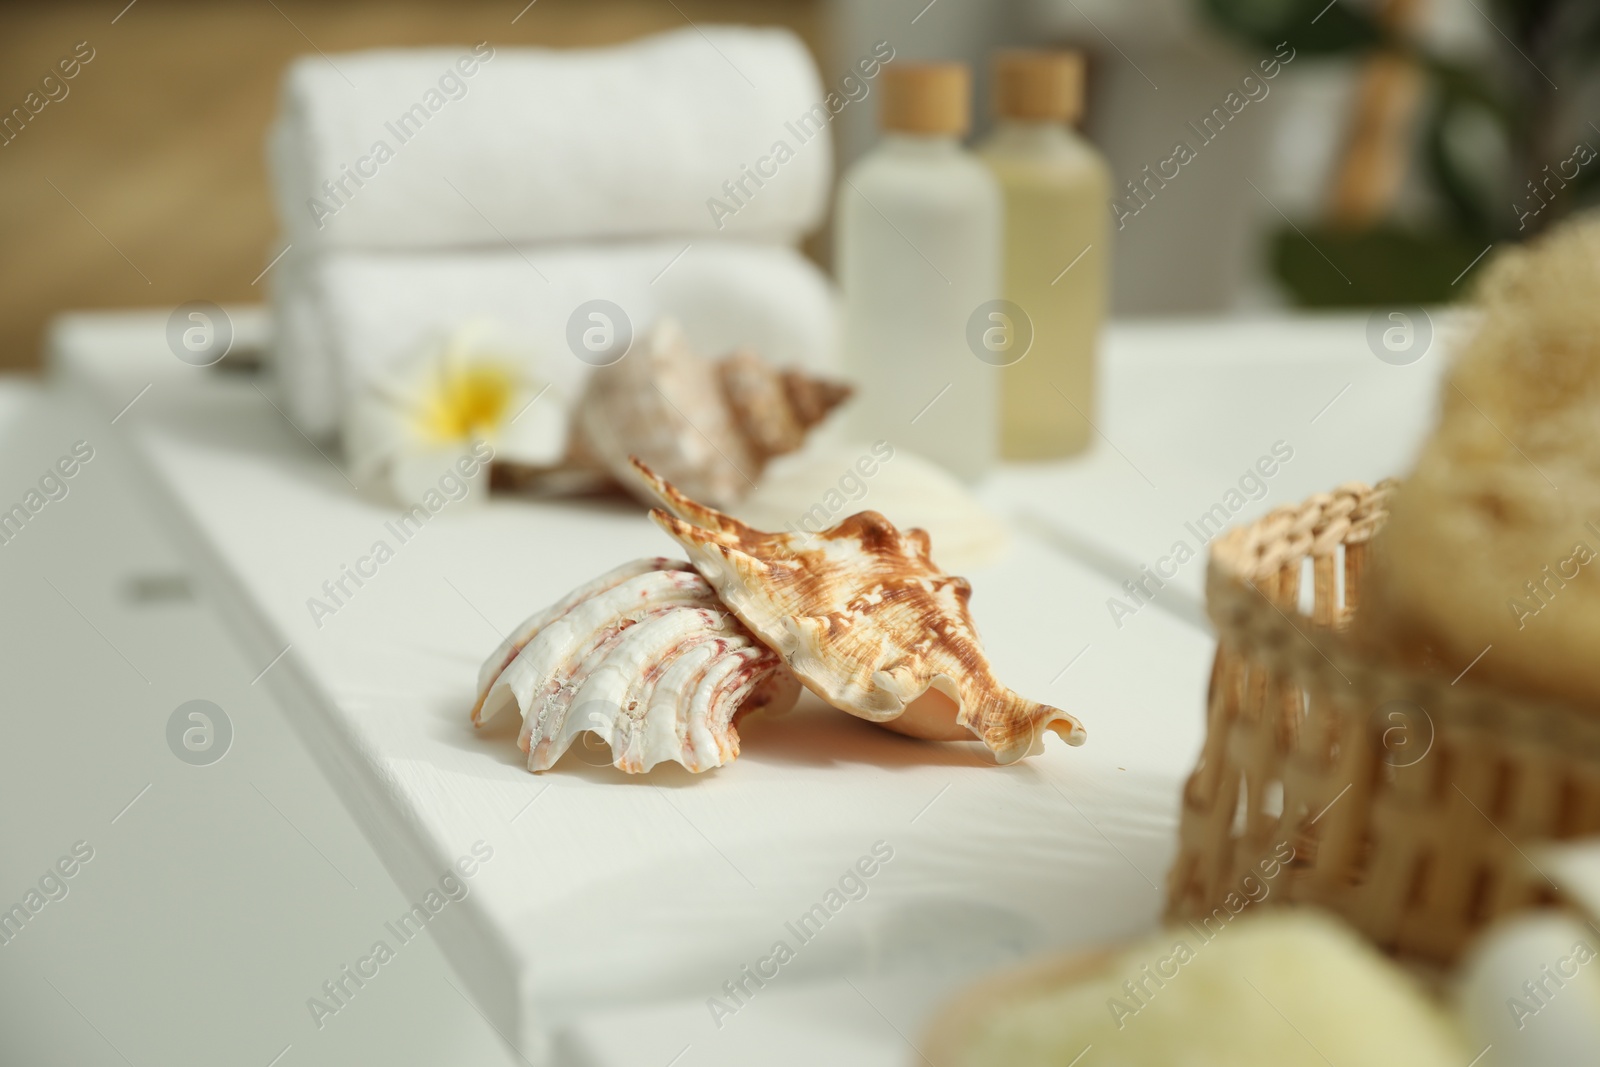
pixel 1503 151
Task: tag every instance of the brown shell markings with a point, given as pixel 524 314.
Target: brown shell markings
pixel 710 425
pixel 865 620
pixel 645 657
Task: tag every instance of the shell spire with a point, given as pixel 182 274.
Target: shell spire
pixel 710 426
pixel 813 398
pixel 774 409
pixel 866 621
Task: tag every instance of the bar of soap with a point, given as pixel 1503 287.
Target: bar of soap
pixel 1277 989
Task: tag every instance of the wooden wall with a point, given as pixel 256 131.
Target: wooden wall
pixel 145 185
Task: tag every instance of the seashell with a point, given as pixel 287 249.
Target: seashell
pixel 646 657
pixel 709 426
pixel 864 618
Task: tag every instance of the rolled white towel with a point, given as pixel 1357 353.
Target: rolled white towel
pixel 453 147
pixel 342 317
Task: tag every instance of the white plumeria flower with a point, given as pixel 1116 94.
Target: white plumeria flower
pixel 433 421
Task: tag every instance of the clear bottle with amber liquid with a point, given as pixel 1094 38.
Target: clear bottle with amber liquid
pixel 1055 187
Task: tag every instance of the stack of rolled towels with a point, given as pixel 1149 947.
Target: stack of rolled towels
pixel 420 191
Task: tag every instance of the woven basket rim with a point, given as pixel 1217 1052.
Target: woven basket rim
pixel 1234 566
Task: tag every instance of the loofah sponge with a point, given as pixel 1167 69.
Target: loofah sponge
pixel 1281 988
pixel 1493 538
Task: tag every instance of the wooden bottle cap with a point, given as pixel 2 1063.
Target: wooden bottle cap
pixel 931 98
pixel 1038 85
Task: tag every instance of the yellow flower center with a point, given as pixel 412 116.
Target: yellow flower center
pixel 466 401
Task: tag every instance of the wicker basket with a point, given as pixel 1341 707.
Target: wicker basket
pixel 1406 798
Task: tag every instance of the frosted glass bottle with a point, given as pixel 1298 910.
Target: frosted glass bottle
pixel 918 251
pixel 1057 249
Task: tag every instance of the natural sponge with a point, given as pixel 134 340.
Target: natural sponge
pixel 1493 538
pixel 1282 988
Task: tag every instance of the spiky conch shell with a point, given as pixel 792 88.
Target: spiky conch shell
pixel 644 656
pixel 709 426
pixel 866 621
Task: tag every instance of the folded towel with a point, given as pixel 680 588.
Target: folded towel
pixel 435 148
pixel 341 317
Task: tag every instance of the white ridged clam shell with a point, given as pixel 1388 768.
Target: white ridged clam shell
pixel 647 658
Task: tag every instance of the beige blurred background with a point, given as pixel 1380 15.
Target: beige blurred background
pixel 146 185
pixel 159 184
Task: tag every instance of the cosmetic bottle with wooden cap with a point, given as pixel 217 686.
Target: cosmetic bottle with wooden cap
pixel 1057 244
pixel 918 257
